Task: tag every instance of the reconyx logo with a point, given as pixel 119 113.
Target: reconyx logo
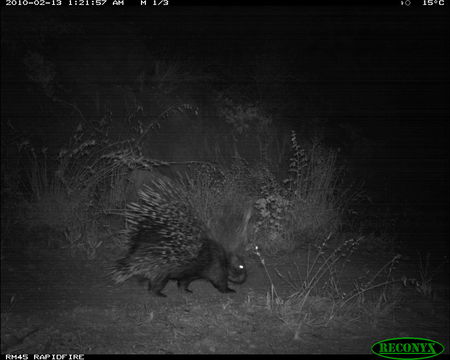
pixel 407 348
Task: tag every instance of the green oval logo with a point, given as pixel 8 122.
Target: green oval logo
pixel 407 348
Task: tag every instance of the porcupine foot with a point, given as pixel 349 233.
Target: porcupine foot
pixel 184 285
pixel 226 290
pixel 222 287
pixel 157 287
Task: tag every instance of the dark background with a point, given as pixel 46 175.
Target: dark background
pixel 373 81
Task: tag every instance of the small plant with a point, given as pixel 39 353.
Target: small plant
pixel 317 298
pixel 385 294
pixel 272 296
pixel 270 225
pixel 316 293
pixel 307 207
pixel 6 314
pixel 362 288
pixel 423 284
pixel 66 199
pixel 244 118
pixel 316 192
pixel 320 301
pixel 84 238
pixel 297 164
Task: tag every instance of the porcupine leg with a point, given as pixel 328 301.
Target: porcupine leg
pixel 184 284
pixel 223 288
pixel 217 273
pixel 221 284
pixel 158 285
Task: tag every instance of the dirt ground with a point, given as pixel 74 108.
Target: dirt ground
pixel 52 302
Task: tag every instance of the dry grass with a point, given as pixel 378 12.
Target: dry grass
pixel 317 299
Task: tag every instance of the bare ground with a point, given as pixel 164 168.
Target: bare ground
pixel 53 302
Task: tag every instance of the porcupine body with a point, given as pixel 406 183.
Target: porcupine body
pixel 168 242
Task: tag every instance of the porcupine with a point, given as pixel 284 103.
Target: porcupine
pixel 167 241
